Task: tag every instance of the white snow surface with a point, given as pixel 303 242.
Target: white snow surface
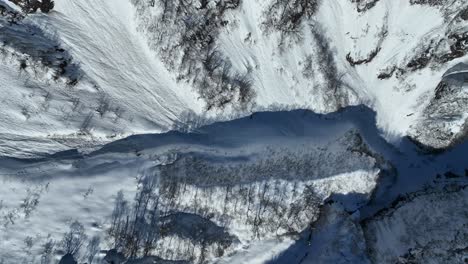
pixel 40 198
pixel 125 89
pixel 120 71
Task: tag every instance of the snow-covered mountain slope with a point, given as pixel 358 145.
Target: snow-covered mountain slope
pixel 89 72
pixel 427 227
pixel 90 89
pixel 86 73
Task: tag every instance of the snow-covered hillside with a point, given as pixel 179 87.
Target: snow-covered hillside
pixel 91 72
pixel 233 131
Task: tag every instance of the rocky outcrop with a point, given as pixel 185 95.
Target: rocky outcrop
pixel 444 120
pixel 429 225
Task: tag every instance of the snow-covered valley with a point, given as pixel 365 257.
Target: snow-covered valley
pixel 260 179
pixel 228 131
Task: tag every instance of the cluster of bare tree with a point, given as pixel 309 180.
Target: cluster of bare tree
pixel 152 226
pixel 135 228
pixel 310 163
pixel 433 51
pixel 266 207
pixel 27 206
pixel 173 217
pixel 286 16
pixel 12 16
pixel 31 6
pixel 184 34
pixel 74 239
pixel 364 5
pixel 322 63
pixel 37 53
pixel 428 2
pixel 74 246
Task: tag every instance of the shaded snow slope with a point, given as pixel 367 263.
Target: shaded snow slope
pixel 383 57
pixel 218 190
pixel 241 185
pixel 118 88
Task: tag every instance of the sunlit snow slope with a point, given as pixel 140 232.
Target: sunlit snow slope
pixel 114 68
pixel 176 131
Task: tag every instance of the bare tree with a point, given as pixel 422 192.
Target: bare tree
pixel 74 239
pixel 47 250
pixel 92 248
pixel 134 229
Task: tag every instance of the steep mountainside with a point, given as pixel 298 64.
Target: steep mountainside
pixel 233 131
pixel 90 72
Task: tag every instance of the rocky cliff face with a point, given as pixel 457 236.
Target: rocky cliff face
pixel 428 226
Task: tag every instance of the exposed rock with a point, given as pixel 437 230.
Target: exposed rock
pixel 427 226
pixel 444 120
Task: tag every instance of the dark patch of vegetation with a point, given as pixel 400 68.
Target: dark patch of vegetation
pixel 36 52
pixel 31 6
pixel 464 14
pixel 441 90
pixel 451 175
pixel 286 16
pixel 387 73
pixel 381 35
pixel 134 228
pixel 459 47
pixel 185 36
pixel 325 57
pixel 421 60
pixel 11 15
pixel 364 5
pixel 428 2
pixel 353 62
